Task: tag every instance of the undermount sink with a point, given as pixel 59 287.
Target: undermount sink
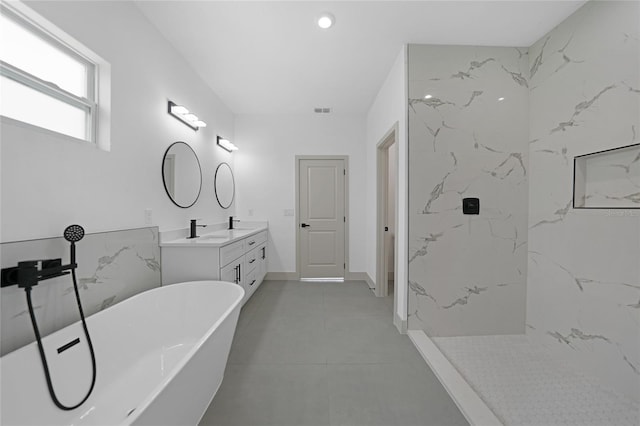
pixel 226 233
pixel 216 237
pixel 213 238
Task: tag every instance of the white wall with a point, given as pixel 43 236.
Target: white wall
pixel 388 109
pixel 49 182
pixel 265 175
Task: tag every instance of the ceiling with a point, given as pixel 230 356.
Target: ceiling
pixel 270 57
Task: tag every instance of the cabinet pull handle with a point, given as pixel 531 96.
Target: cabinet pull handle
pixel 236 278
pixel 252 243
pixel 252 260
pixel 264 252
pixel 252 282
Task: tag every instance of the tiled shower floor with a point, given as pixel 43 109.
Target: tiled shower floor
pixel 524 385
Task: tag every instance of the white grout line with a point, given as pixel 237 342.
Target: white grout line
pixel 472 407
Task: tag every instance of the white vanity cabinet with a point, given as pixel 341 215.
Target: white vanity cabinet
pixel 233 272
pixel 255 264
pixel 240 260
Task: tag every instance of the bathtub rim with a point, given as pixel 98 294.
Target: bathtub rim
pixel 162 384
pixel 142 406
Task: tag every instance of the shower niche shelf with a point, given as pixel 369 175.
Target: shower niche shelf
pixel 607 179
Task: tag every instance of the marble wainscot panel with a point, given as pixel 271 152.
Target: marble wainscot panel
pixel 112 266
pixel 468 137
pixel 583 289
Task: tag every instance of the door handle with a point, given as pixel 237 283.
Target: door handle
pixel 304 225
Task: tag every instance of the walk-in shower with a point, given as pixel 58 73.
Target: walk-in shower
pixel 533 300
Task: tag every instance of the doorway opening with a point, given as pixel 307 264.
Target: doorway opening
pixel 387 209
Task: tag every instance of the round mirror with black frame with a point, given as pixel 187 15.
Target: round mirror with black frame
pixel 181 174
pixel 225 185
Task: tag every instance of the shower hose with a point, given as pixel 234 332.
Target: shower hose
pixel 43 357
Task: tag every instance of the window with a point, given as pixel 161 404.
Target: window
pixel 49 80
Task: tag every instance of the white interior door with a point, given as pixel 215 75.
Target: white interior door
pixel 322 218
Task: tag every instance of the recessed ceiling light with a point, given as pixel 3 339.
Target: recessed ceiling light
pixel 326 20
pixel 428 96
pixel 501 99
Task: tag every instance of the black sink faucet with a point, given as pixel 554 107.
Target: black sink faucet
pixel 231 220
pixel 192 228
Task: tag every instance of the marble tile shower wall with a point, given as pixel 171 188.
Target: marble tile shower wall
pixel 467 273
pixel 583 289
pixel 112 266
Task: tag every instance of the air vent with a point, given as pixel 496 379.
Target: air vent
pixel 322 110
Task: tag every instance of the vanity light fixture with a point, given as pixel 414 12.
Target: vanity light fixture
pixel 226 145
pixel 326 20
pixel 183 114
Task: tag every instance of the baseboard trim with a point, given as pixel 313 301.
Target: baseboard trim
pixel 293 276
pixel 360 276
pixel 470 404
pixel 400 324
pixel 282 276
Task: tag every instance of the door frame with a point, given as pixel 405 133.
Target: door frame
pixel 382 194
pixel 345 158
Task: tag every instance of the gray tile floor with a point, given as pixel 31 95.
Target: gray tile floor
pixel 325 354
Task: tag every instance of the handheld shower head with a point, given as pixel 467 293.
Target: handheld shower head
pixel 73 233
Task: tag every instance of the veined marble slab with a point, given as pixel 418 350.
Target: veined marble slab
pixel 112 266
pixel 583 289
pixel 468 137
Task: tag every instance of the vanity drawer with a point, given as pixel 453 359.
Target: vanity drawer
pixel 252 258
pixel 251 283
pixel 255 240
pixel 230 252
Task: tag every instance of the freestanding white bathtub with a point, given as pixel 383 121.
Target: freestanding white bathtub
pixel 161 356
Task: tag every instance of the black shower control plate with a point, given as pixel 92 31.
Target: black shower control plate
pixel 9 276
pixel 471 205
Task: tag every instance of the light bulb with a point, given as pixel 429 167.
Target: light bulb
pixel 179 109
pixel 227 145
pixel 325 21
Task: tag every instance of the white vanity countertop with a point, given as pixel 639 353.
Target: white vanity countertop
pixel 217 238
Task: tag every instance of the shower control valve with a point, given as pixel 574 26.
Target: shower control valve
pixel 27 274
